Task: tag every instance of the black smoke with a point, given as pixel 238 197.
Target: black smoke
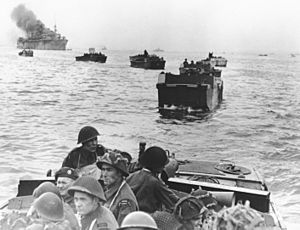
pixel 26 20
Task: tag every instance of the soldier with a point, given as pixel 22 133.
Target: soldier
pixel 120 198
pixel 64 178
pixel 187 215
pixel 47 187
pixel 138 220
pixel 88 197
pixel 83 158
pixel 50 213
pixel 150 191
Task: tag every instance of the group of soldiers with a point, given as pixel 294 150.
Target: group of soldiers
pixel 95 191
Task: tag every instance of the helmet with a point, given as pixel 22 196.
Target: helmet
pixel 188 208
pixel 116 160
pixel 45 187
pixel 87 185
pixel 49 206
pixel 66 172
pixel 35 226
pixel 87 133
pixel 138 219
pixel 154 158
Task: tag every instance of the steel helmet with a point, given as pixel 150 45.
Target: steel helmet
pixel 35 226
pixel 87 185
pixel 49 206
pixel 45 187
pixel 154 158
pixel 188 208
pixel 138 219
pixel 87 133
pixel 115 160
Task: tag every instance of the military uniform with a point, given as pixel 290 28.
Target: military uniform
pixel 151 193
pixel 80 157
pixel 120 200
pixel 100 219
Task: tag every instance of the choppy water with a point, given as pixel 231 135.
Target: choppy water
pixel 45 100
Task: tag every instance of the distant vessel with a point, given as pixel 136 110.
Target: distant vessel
pixel 47 40
pixel 147 61
pixel 158 50
pixel 92 56
pixel 263 55
pixel 215 61
pixel 26 53
pixel 198 86
pixel 104 48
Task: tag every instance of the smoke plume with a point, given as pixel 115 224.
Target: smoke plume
pixel 26 20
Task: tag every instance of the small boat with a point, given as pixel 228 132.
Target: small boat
pixel 263 55
pixel 215 61
pixel 147 61
pixel 92 56
pixel 26 53
pixel 198 86
pixel 158 50
pixel 229 183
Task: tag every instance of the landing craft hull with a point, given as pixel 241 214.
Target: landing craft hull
pixel 148 64
pixel 94 58
pixel 186 91
pixel 55 44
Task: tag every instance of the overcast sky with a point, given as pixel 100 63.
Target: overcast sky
pixel 183 25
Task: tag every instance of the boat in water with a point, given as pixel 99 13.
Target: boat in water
pixel 215 61
pixel 158 50
pixel 26 53
pixel 198 87
pixel 147 61
pixel 45 40
pixel 228 183
pixel 92 56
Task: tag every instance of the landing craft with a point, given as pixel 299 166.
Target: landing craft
pixel 147 61
pixel 198 86
pixel 224 181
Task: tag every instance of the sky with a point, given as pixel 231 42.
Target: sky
pixel 174 25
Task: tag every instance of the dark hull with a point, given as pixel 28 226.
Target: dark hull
pixel 25 54
pixel 187 91
pixel 148 64
pixel 101 59
pixel 43 44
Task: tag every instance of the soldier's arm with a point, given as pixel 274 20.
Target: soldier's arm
pixel 125 207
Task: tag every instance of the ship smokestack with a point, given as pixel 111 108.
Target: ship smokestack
pixel 26 20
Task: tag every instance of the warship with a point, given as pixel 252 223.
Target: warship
pixel 37 35
pixel 47 40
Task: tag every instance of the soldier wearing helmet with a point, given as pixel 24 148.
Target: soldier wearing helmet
pixel 64 178
pixel 50 212
pixel 83 158
pixel 47 187
pixel 150 191
pixel 88 197
pixel 120 199
pixel 187 215
pixel 138 220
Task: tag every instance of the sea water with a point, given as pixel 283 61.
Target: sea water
pixel 45 100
